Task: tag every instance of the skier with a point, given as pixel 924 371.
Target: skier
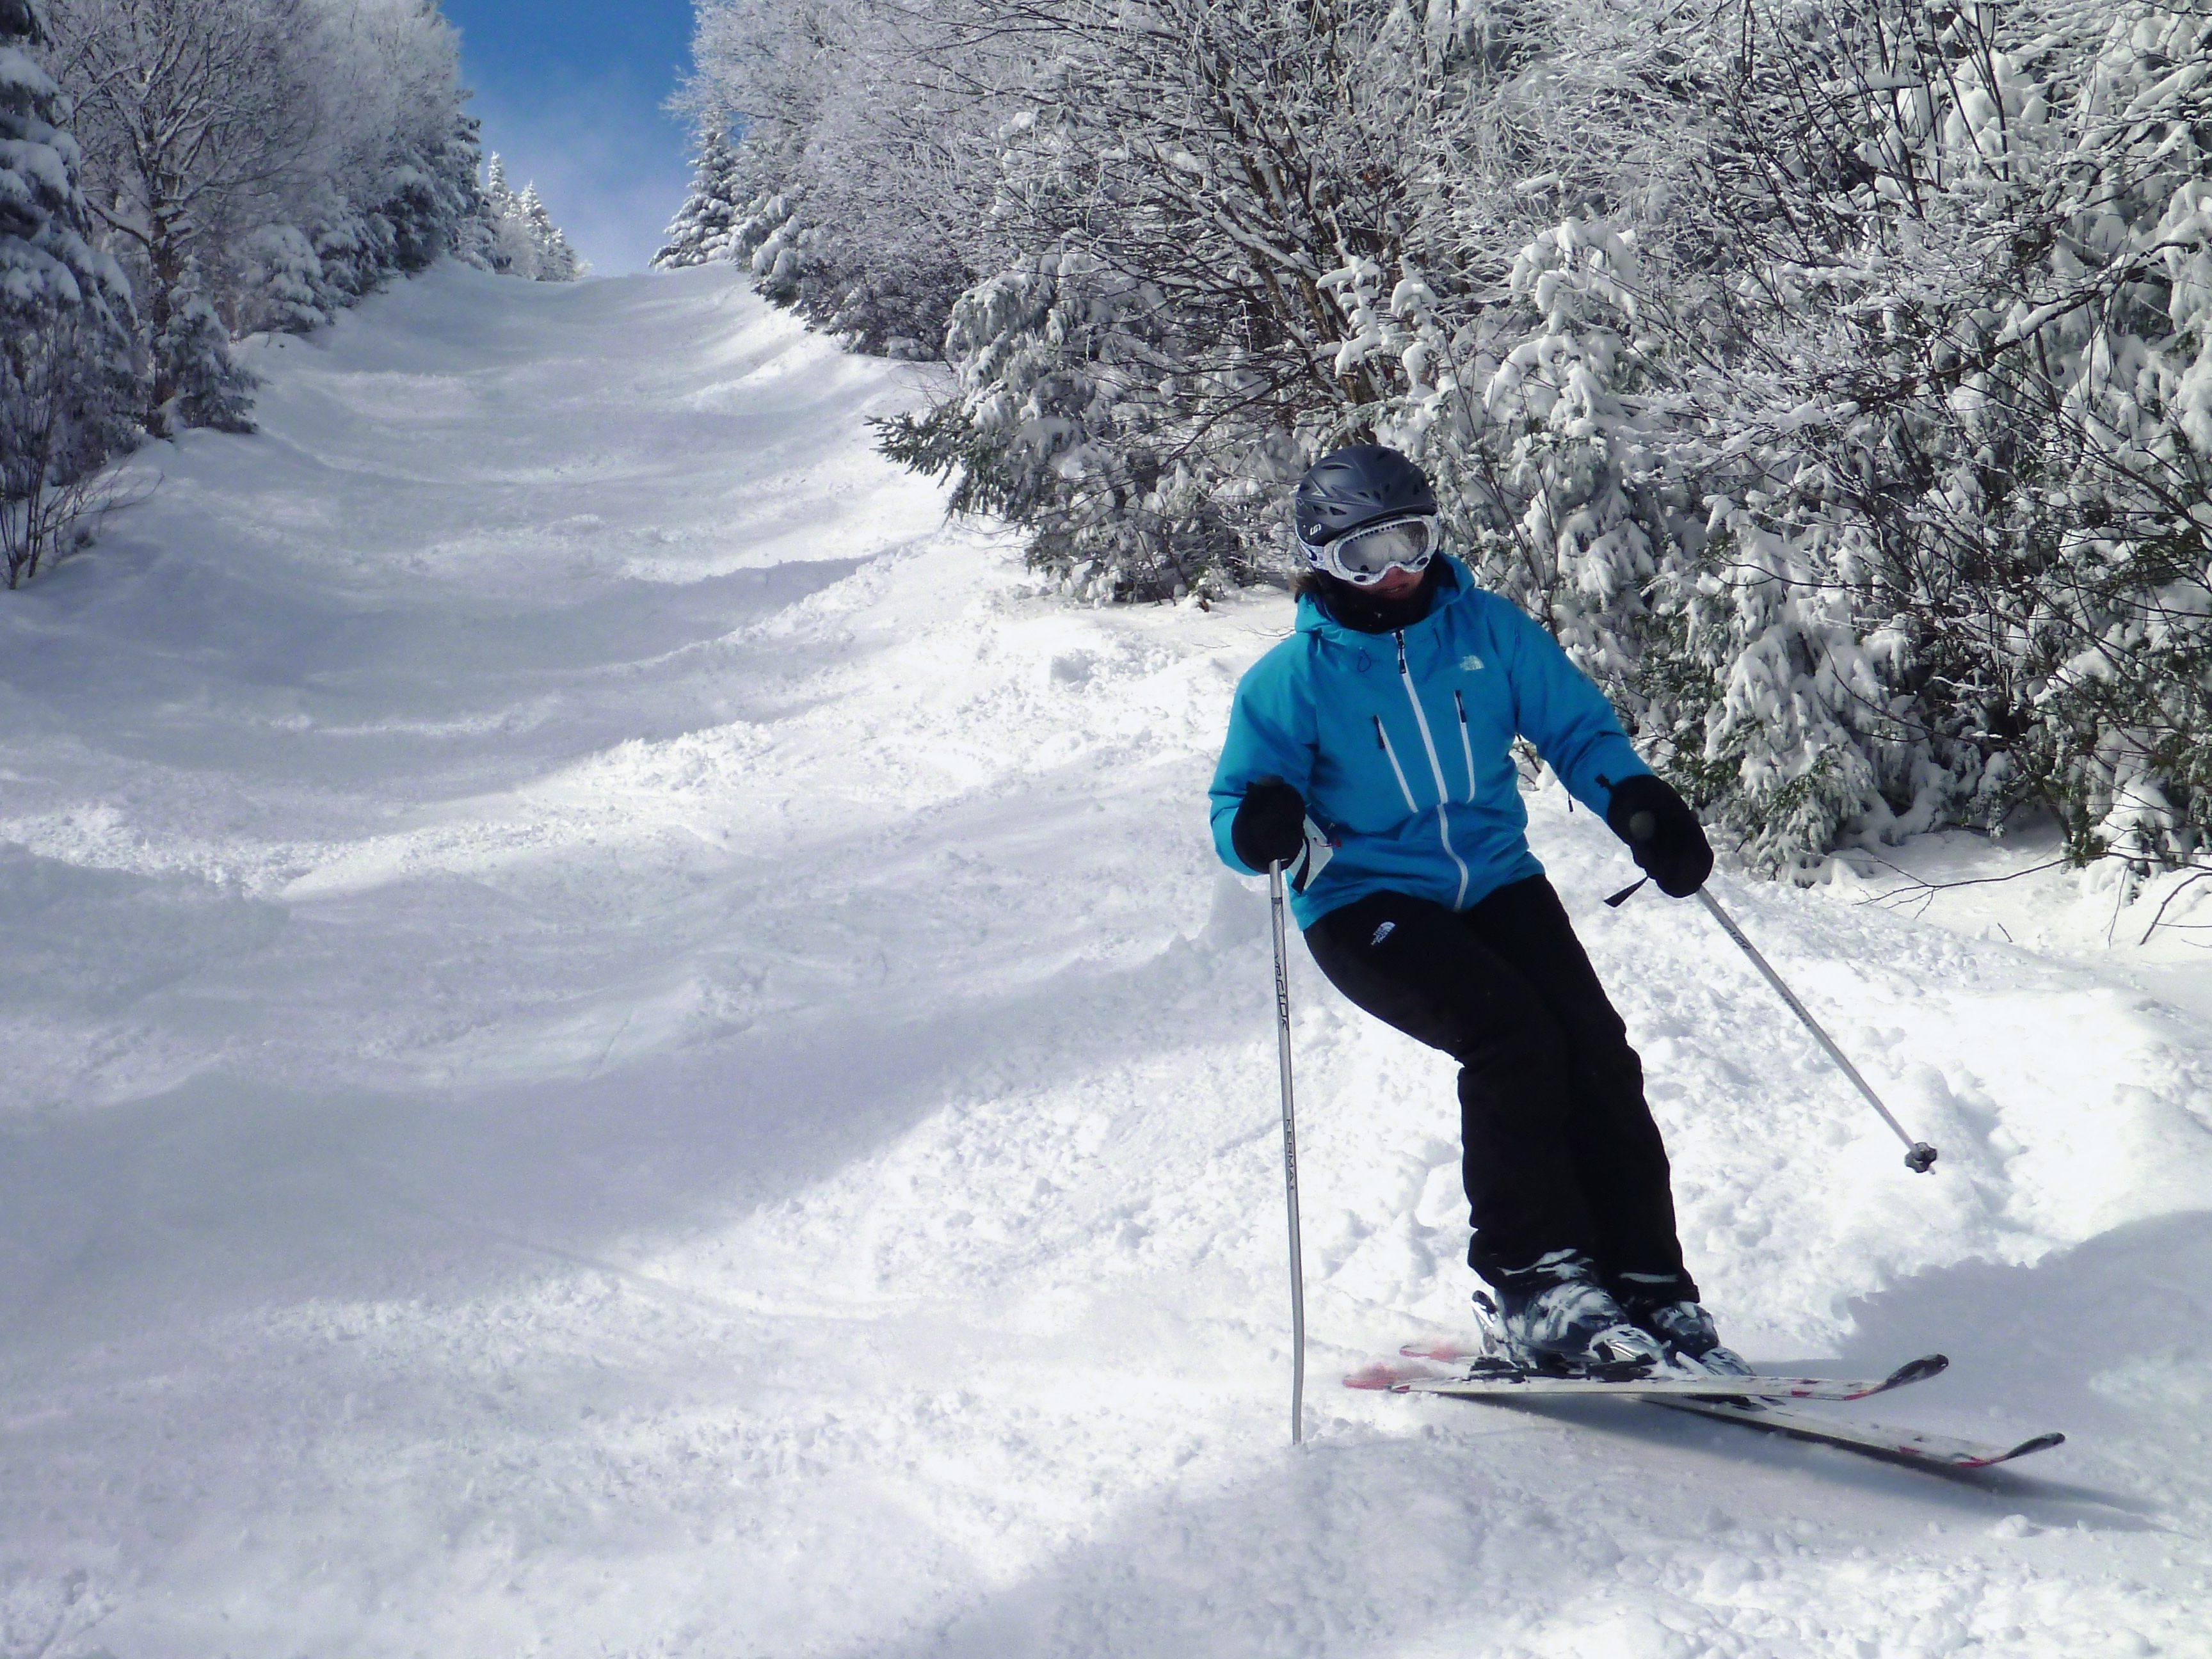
pixel 1370 755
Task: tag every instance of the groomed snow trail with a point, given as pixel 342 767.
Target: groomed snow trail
pixel 617 1044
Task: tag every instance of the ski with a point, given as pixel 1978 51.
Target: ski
pixel 1747 1400
pixel 1497 1379
pixel 1912 1446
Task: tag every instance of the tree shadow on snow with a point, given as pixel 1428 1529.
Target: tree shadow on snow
pixel 392 688
pixel 234 1192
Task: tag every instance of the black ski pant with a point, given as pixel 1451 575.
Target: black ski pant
pixel 1559 1151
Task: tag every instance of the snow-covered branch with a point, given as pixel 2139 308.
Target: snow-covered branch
pixel 1834 379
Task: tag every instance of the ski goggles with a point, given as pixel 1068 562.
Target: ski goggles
pixel 1364 556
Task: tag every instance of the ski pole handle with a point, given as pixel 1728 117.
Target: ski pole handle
pixel 1279 905
pixel 1919 1155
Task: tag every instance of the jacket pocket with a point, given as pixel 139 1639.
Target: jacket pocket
pixel 1382 741
pixel 1466 743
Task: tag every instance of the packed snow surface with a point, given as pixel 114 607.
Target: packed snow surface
pixel 619 1043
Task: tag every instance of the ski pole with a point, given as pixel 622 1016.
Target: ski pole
pixel 1919 1155
pixel 1290 1155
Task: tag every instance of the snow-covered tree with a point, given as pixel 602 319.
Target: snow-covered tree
pixel 862 178
pixel 195 115
pixel 556 260
pixel 269 161
pixel 192 357
pixel 1829 375
pixel 285 280
pixel 66 376
pixel 1840 419
pixel 1203 172
pixel 391 183
pixel 457 163
pixel 526 242
pixel 498 206
pixel 704 225
pixel 1927 355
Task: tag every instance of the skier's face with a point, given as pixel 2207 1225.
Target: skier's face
pixel 1396 583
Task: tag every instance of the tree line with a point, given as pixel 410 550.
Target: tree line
pixel 177 173
pixel 1834 377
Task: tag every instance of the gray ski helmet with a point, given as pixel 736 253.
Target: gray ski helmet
pixel 1348 488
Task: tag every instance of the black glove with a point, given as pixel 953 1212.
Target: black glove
pixel 1270 825
pixel 1662 833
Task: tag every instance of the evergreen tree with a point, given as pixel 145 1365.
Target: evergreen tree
pixel 703 226
pixel 192 357
pixel 457 163
pixel 526 242
pixel 499 215
pixel 66 379
pixel 284 283
pixel 266 161
pixel 556 261
pixel 862 187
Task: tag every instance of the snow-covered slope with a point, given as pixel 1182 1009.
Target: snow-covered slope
pixel 617 1043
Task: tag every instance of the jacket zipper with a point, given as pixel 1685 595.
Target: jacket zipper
pixel 1465 744
pixel 1383 738
pixel 1436 768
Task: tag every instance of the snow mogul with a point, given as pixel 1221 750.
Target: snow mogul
pixel 1369 754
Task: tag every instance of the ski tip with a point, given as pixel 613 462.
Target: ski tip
pixel 1442 1350
pixel 1383 1377
pixel 1379 1377
pixel 2027 1447
pixel 1917 1371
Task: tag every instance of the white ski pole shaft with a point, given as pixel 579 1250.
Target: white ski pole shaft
pixel 1290 1155
pixel 1919 1155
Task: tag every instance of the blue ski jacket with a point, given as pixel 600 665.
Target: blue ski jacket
pixel 1401 745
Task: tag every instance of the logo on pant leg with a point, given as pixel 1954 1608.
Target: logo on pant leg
pixel 1381 933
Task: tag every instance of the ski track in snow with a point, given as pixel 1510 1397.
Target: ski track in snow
pixel 620 1043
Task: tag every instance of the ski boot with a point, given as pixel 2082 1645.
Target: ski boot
pixel 1559 1319
pixel 1687 1332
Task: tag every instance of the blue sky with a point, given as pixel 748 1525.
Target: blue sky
pixel 570 92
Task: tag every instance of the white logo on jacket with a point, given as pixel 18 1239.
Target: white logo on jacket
pixel 1471 664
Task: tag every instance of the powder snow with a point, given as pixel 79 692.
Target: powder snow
pixel 620 1042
